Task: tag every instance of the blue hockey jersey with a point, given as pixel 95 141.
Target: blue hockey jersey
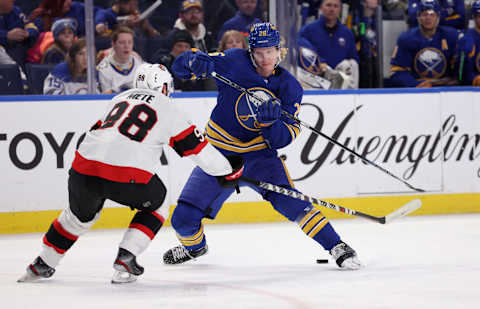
pixel 452 13
pixel 76 12
pixel 232 127
pixel 240 22
pixel 333 47
pixel 16 19
pixel 470 51
pixel 416 58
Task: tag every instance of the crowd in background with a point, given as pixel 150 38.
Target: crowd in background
pixel 337 42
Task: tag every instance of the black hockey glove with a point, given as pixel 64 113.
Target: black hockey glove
pixel 232 179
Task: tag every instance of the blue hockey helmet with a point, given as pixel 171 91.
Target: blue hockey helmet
pixel 476 8
pixel 429 5
pixel 263 35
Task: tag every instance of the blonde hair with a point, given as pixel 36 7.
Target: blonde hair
pixel 232 33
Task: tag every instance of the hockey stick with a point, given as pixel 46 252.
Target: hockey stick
pixel 400 212
pixel 306 125
pixel 145 14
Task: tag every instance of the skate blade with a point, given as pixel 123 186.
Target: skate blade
pixel 120 277
pixel 352 264
pixel 28 277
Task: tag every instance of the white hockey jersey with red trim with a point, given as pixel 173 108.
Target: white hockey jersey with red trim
pixel 126 144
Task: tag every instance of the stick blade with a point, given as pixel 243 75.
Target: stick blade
pixel 404 210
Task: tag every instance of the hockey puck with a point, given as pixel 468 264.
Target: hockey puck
pixel 322 261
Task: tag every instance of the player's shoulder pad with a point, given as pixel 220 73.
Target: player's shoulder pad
pixel 449 32
pixel 408 37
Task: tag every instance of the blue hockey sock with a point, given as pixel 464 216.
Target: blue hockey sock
pixel 316 226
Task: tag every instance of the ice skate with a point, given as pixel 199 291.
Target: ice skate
pixel 126 267
pixel 179 254
pixel 345 256
pixel 36 271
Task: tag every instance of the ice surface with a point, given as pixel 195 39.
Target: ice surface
pixel 416 262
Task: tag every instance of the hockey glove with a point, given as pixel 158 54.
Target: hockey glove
pixel 269 112
pixel 231 180
pixel 200 64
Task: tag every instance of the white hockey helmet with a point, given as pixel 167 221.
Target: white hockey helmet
pixel 154 77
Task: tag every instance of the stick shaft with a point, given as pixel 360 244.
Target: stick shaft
pixel 318 132
pixel 313 200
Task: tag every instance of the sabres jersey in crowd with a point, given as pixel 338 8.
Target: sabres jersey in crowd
pixel 60 81
pixel 16 19
pixel 233 127
pixel 470 56
pixel 416 58
pixel 76 12
pixel 126 144
pixel 333 45
pixel 240 22
pixel 116 77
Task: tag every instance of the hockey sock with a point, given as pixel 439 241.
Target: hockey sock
pixel 193 242
pixel 141 231
pixel 58 239
pixel 316 226
pixel 62 234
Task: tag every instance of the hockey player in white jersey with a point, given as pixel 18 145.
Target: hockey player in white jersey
pixel 117 160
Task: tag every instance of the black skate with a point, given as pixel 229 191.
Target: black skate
pixel 126 267
pixel 36 271
pixel 179 254
pixel 345 256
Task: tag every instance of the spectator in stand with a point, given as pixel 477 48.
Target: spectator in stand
pixel 243 19
pixel 70 76
pixel 17 35
pixel 452 13
pixel 49 10
pixel 334 45
pixel 470 50
pixel 116 70
pixel 106 20
pixel 424 56
pixel 190 19
pixel 181 42
pixel 232 39
pixel 64 31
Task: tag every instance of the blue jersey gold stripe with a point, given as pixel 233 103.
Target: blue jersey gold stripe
pixel 221 139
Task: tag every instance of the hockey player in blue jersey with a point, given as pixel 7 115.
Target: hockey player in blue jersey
pixel 425 55
pixel 470 50
pixel 452 13
pixel 241 125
